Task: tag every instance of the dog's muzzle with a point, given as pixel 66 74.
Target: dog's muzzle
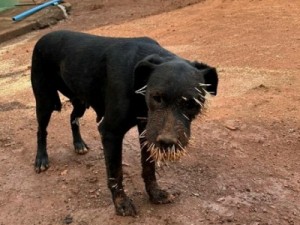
pixel 172 153
pixel 166 148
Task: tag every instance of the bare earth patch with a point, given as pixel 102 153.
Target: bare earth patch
pixel 244 163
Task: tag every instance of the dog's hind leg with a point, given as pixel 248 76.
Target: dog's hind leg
pixel 43 118
pixel 47 101
pixel 78 111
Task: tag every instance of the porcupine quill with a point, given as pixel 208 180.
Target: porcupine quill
pixel 142 90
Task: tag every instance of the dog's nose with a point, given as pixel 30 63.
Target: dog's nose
pixel 166 139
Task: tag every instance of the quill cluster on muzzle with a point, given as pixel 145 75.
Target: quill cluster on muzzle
pixel 165 151
pixel 169 154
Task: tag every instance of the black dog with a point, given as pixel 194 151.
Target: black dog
pixel 128 82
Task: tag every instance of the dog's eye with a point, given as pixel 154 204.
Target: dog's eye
pixel 190 107
pixel 157 98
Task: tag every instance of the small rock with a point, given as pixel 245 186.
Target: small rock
pixel 229 220
pixel 231 125
pixel 64 172
pixel 265 211
pixel 68 219
pixel 221 199
pixel 292 130
pixel 92 180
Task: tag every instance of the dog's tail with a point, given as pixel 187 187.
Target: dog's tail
pixel 45 81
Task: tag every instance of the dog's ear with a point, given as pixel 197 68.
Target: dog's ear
pixel 144 68
pixel 210 77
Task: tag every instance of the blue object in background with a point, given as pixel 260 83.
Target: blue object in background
pixel 35 9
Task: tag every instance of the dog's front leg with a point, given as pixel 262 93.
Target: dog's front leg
pixel 156 194
pixel 113 158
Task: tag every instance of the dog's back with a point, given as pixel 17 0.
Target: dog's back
pixel 60 44
pixel 66 57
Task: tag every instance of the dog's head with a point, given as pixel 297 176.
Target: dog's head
pixel 175 92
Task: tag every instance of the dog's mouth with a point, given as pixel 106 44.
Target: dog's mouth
pixel 163 154
pixel 164 149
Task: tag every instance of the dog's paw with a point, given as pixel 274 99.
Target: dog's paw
pixel 81 147
pixel 41 163
pixel 125 207
pixel 159 196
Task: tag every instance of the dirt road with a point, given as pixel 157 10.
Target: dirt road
pixel 244 164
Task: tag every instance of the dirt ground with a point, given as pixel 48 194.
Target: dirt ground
pixel 244 163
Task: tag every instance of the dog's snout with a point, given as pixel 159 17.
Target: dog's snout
pixel 166 139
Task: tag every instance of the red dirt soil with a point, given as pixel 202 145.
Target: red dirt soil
pixel 244 163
